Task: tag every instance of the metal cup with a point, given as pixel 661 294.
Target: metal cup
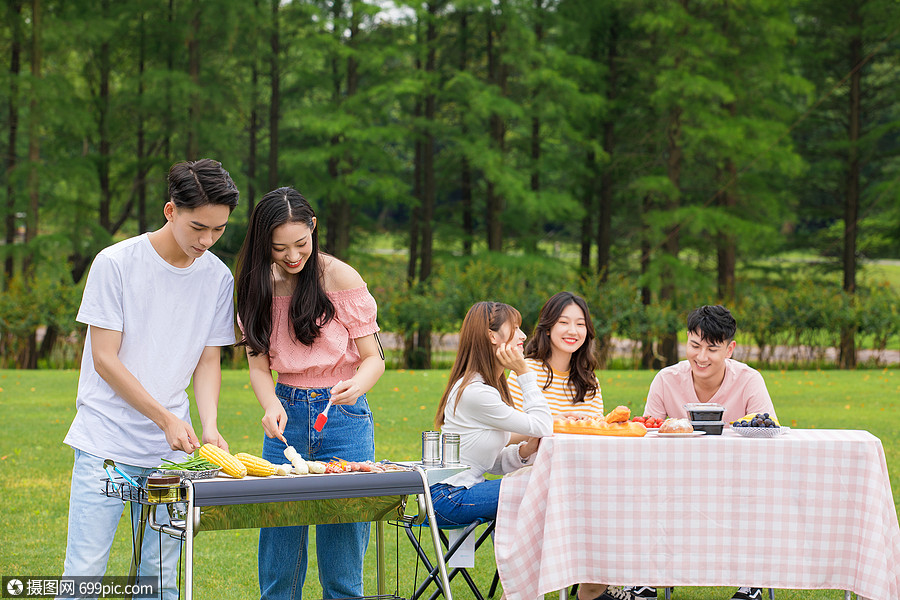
pixel 431 448
pixel 450 449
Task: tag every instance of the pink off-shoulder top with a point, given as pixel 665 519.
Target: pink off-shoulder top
pixel 333 356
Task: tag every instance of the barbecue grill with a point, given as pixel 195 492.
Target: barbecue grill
pixel 226 503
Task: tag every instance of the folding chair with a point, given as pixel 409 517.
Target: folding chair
pixel 413 524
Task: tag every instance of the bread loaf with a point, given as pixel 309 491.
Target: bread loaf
pixel 676 426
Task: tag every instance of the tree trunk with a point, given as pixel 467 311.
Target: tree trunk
pixel 647 352
pixel 668 348
pixel 604 218
pixel 851 203
pixel 430 187
pixel 418 159
pixel 535 118
pixel 34 140
pixel 344 213
pixel 339 210
pixel 103 129
pixel 29 360
pixel 15 63
pixel 726 251
pixel 332 211
pixel 167 118
pixel 141 157
pixel 465 176
pixel 275 100
pixel 587 203
pixel 253 132
pixel 193 144
pixel 497 77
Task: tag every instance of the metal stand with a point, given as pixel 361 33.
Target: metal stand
pixel 435 534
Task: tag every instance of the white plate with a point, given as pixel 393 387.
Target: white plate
pixel 691 434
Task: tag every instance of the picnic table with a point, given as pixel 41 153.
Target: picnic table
pixel 810 509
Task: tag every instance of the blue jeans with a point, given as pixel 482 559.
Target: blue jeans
pixel 349 434
pixel 458 505
pixel 94 518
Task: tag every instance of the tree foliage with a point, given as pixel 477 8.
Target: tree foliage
pixel 675 144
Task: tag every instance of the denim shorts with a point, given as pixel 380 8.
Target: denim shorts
pixel 458 505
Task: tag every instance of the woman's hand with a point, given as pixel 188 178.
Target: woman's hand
pixel 345 392
pixel 274 421
pixel 512 357
pixel 529 447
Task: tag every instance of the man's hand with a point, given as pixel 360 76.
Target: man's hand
pixel 180 435
pixel 215 438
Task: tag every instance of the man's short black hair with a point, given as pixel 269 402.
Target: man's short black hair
pixel 713 324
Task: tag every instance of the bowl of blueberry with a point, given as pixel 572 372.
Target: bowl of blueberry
pixel 758 425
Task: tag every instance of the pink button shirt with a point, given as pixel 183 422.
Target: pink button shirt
pixel 742 392
pixel 333 356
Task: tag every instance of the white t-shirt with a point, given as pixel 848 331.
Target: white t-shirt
pixel 484 422
pixel 167 316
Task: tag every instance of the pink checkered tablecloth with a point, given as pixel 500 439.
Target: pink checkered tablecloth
pixel 810 509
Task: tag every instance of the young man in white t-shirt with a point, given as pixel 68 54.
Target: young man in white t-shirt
pixel 708 375
pixel 158 308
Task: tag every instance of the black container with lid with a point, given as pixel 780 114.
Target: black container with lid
pixel 702 411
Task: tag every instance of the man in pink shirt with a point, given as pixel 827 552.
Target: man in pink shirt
pixel 709 374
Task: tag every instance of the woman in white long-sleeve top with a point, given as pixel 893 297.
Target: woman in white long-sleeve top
pixel 477 405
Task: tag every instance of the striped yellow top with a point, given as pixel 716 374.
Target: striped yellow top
pixel 558 395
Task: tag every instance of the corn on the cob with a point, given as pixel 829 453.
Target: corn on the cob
pixel 230 465
pixel 256 466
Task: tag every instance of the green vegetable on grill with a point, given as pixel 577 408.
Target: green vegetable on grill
pixel 197 463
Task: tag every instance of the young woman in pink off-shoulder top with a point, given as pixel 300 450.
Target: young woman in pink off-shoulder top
pixel 310 318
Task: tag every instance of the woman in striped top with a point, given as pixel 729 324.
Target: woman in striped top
pixel 561 352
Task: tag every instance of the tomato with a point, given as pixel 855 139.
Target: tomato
pixel 638 419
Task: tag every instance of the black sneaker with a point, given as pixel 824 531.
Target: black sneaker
pixel 628 593
pixel 748 593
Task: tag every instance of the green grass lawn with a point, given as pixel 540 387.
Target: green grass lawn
pixel 35 466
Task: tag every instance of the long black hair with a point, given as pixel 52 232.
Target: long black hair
pixel 310 307
pixel 583 363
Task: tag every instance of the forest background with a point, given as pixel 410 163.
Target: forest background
pixel 650 155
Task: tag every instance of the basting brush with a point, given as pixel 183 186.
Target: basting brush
pixel 322 418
